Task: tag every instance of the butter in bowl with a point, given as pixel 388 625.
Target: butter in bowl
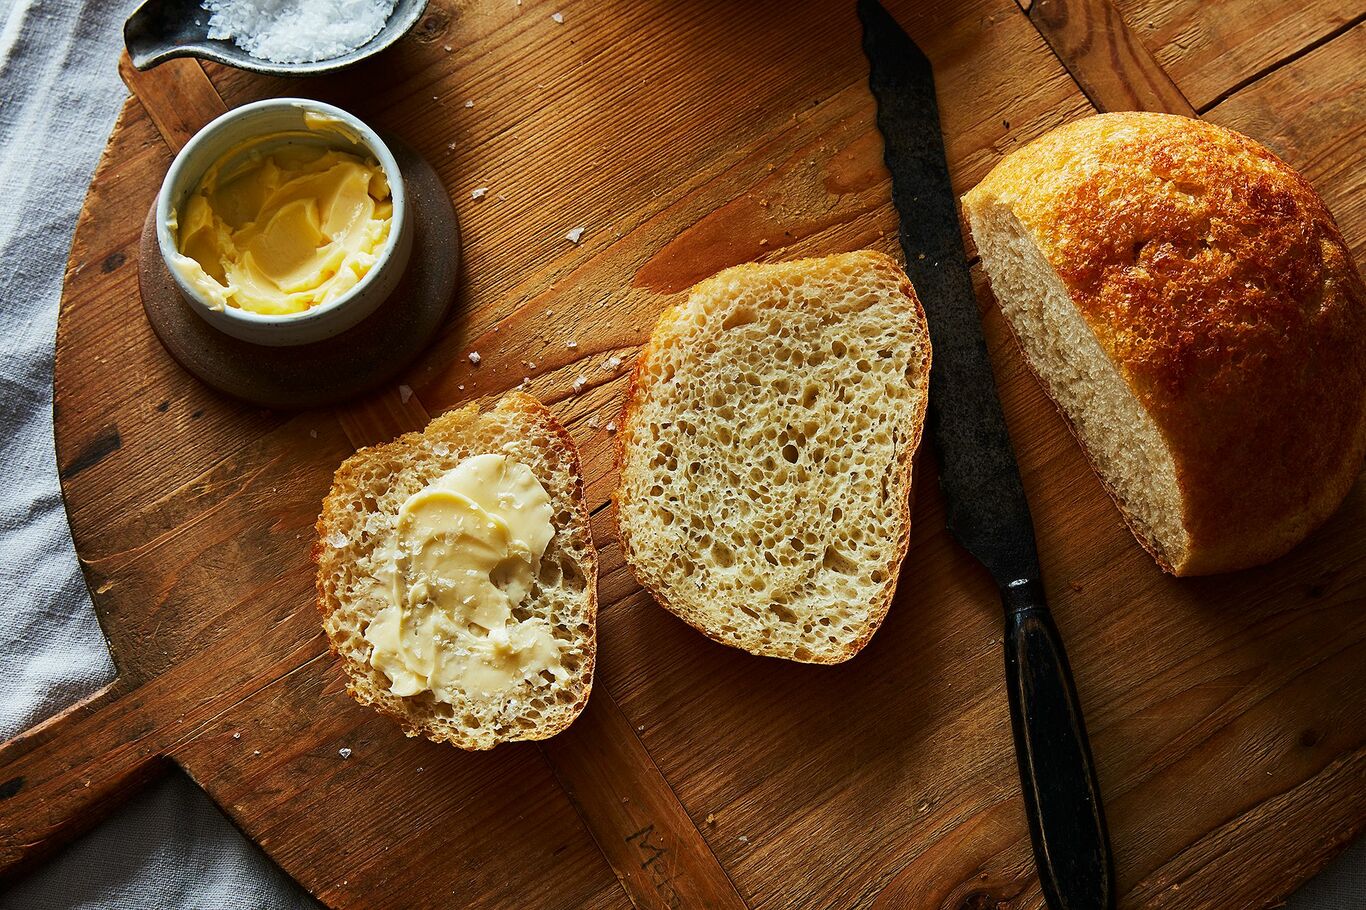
pixel 285 222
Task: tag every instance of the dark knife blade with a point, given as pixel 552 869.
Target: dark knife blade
pixel 984 499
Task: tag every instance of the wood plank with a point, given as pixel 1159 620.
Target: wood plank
pixel 1313 114
pixel 1212 48
pixel 642 830
pixel 178 96
pixel 1109 62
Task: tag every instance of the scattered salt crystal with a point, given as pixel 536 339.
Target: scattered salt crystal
pixel 571 344
pixel 255 751
pixel 574 235
pixel 742 839
pixel 297 31
pixel 558 17
pixel 580 383
pixel 312 434
pixel 475 358
pixel 529 364
pixel 469 103
pixel 404 393
pixel 611 426
pixel 344 752
pixel 237 736
pixel 446 47
pixel 336 540
pixel 451 146
pixel 419 769
pixel 612 363
pixel 640 728
pixel 479 192
pixel 461 387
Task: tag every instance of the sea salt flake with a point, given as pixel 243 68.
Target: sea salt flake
pixel 344 752
pixel 580 383
pixel 612 363
pixel 475 358
pixel 571 344
pixel 469 103
pixel 574 235
pixel 558 17
pixel 611 426
pixel 479 192
pixel 404 393
pixel 297 31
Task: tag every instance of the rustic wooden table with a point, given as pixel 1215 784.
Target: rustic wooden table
pixel 1228 714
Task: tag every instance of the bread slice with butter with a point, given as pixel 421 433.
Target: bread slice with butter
pixel 766 451
pixel 457 577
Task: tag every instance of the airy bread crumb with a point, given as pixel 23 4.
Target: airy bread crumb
pixel 766 451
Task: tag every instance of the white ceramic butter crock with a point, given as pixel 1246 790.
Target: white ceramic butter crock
pixel 267 118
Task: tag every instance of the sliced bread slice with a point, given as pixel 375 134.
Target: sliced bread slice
pixel 766 450
pixel 359 563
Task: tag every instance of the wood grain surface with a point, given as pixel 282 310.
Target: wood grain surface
pixel 1228 714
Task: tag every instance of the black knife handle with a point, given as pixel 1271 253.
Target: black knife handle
pixel 1062 796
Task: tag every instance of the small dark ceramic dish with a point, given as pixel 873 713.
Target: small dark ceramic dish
pixel 162 30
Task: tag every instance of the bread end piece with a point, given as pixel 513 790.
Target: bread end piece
pixel 766 448
pixel 1187 301
pixel 358 519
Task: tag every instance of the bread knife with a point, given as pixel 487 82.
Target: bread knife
pixel 984 499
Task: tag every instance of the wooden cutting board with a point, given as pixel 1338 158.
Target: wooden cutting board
pixel 1228 714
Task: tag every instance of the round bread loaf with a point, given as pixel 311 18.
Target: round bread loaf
pixel 1189 304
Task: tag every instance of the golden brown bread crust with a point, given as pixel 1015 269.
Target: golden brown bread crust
pixel 1215 279
pixel 636 390
pixel 362 678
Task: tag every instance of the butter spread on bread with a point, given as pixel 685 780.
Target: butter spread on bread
pixel 1187 301
pixel 457 576
pixel 467 549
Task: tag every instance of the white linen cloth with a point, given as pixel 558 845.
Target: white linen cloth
pixel 170 848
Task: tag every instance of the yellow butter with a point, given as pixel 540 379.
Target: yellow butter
pixel 466 552
pixel 285 230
